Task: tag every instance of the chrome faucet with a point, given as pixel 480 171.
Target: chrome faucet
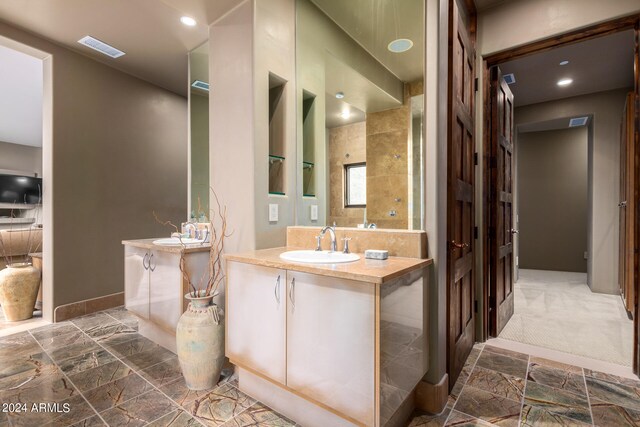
pixel 195 229
pixel 332 233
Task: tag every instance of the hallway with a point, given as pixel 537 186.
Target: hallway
pixel 557 310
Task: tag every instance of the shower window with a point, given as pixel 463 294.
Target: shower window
pixel 355 185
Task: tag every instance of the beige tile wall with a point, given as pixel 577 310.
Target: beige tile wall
pixel 403 243
pixel 347 144
pixel 387 165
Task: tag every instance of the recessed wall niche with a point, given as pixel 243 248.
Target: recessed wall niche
pixel 308 144
pixel 277 149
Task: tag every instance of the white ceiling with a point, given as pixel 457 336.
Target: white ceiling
pixel 596 65
pixel 375 23
pixel 149 31
pixel 20 98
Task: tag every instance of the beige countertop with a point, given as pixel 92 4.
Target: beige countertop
pixel 148 244
pixel 364 270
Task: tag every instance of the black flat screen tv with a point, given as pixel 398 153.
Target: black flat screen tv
pixel 16 189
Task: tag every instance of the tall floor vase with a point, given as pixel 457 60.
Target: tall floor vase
pixel 200 342
pixel 19 285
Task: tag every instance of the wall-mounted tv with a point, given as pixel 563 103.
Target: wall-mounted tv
pixel 18 189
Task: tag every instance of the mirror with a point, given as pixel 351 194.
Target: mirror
pixel 199 131
pixel 360 69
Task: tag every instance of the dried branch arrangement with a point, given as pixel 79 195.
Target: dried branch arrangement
pixel 206 286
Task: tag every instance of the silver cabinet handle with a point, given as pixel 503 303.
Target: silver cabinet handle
pixel 292 293
pixel 276 290
pixel 144 260
pixel 514 231
pixel 622 204
pixel 154 267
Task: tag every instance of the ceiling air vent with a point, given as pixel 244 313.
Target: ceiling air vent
pixel 199 84
pixel 509 78
pixel 101 47
pixel 578 121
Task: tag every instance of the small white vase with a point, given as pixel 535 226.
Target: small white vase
pixel 19 284
pixel 200 342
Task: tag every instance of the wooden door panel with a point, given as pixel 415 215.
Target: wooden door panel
pixel 460 190
pixel 501 301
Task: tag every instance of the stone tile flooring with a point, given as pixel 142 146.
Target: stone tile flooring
pixel 97 370
pixel 105 373
pixel 504 388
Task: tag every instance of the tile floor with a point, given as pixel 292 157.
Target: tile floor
pixel 504 388
pixel 107 374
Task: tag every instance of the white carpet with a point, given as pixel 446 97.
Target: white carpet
pixel 557 310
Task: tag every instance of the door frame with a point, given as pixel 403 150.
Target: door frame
pixel 631 22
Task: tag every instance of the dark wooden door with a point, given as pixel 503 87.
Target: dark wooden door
pixel 460 190
pixel 500 205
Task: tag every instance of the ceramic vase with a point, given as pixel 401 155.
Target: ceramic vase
pixel 19 284
pixel 200 342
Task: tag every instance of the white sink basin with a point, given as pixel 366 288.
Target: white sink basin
pixel 174 241
pixel 318 257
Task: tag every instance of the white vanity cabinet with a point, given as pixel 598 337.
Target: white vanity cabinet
pixel 313 334
pixel 328 344
pixel 331 342
pixel 136 281
pixel 154 286
pixel 256 318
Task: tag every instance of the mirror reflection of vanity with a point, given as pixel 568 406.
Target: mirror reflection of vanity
pixel 360 68
pixel 199 130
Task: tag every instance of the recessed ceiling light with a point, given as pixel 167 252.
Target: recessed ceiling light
pixel 345 114
pixel 565 82
pixel 101 46
pixel 400 45
pixel 339 95
pixel 565 62
pixel 188 21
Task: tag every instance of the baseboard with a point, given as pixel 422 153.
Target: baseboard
pixel 80 308
pixel 433 398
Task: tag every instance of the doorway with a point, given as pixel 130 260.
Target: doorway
pixel 25 176
pixel 550 281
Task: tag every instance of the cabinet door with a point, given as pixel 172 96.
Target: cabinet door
pixel 255 318
pixel 136 281
pixel 165 289
pixel 331 342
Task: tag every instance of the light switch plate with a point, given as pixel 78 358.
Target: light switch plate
pixel 273 212
pixel 314 212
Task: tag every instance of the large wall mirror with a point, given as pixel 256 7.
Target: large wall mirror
pixel 360 69
pixel 199 131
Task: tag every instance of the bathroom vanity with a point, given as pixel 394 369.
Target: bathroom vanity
pixel 328 344
pixel 154 286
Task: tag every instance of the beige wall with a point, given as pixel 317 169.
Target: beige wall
pixel 246 45
pixel 604 163
pixel 552 197
pixel 347 145
pixel 20 158
pixel 519 22
pixel 118 153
